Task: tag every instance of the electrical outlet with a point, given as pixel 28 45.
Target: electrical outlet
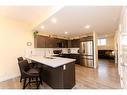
pixel 64 67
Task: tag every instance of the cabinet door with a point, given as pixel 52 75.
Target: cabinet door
pixel 55 41
pixel 40 42
pixel 65 43
pixel 61 43
pixel 75 43
pixel 69 43
pixel 49 43
pixel 77 57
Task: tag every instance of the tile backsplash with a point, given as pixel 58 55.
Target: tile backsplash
pixel 47 51
pixel 74 50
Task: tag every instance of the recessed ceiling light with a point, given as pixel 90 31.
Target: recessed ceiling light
pixel 65 32
pixel 42 27
pixel 53 20
pixel 87 26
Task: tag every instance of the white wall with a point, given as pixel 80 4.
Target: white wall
pixel 122 48
pixel 110 44
pixel 14 36
pixel 95 50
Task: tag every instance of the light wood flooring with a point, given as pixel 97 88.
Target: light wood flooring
pixel 104 77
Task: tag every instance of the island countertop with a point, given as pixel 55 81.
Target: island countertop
pixel 51 61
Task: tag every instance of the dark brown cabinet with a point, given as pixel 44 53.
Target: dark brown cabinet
pixel 48 42
pixel 59 78
pixel 39 41
pixel 88 38
pixel 77 57
pixel 65 43
pixel 71 55
pixel 74 43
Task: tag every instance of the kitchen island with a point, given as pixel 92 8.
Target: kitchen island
pixel 69 55
pixel 58 73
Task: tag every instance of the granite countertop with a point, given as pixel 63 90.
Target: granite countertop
pixel 70 53
pixel 64 53
pixel 51 61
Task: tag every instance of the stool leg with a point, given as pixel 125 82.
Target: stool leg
pixel 20 79
pixel 29 81
pixel 40 79
pixel 37 84
pixel 24 84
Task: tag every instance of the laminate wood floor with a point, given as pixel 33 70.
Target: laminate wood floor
pixel 104 77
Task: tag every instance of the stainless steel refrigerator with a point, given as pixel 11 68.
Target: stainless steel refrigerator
pixel 86 54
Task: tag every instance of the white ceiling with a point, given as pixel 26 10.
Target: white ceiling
pixel 71 19
pixel 25 13
pixel 103 20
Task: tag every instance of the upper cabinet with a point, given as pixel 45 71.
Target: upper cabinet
pixel 48 42
pixel 75 43
pixel 39 41
pixel 88 38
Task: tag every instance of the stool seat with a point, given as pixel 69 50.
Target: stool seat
pixel 33 71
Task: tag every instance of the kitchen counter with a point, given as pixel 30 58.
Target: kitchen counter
pixel 63 54
pixel 51 61
pixel 69 53
pixel 75 56
pixel 57 72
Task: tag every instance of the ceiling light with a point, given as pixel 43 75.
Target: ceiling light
pixel 42 27
pixel 53 20
pixel 87 26
pixel 66 32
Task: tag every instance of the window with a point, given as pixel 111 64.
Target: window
pixel 124 40
pixel 102 42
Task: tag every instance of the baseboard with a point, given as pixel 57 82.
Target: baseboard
pixel 5 78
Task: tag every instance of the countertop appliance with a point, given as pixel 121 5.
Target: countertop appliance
pixel 57 51
pixel 86 53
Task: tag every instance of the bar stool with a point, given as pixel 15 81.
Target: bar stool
pixel 29 73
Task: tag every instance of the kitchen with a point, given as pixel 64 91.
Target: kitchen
pixel 64 42
pixel 52 48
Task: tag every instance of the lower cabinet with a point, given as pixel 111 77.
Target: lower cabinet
pixel 77 57
pixel 73 56
pixel 62 77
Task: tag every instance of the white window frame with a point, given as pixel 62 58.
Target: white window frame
pixel 102 42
